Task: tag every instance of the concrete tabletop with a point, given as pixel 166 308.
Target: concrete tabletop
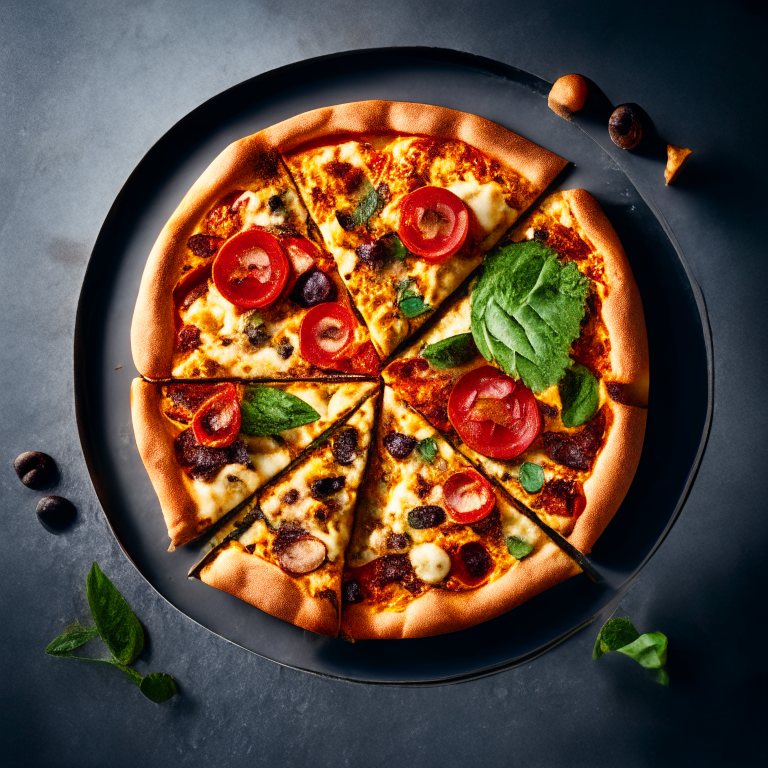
pixel 87 88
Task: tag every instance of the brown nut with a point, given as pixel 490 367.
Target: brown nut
pixel 624 127
pixel 676 156
pixel 568 95
pixel 35 469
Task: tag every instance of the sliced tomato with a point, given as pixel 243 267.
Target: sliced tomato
pixel 468 496
pixel 326 331
pixel 494 414
pixel 216 422
pixel 365 360
pixel 433 223
pixel 192 282
pixel 251 269
pixel 302 254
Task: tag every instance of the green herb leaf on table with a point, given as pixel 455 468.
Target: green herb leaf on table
pixel 451 352
pixel 526 312
pixel 427 449
pixel 531 476
pixel 269 411
pixel 411 303
pixel 579 395
pixel 117 623
pixel 649 650
pixel 158 687
pixel 518 548
pixel 367 205
pixel 72 637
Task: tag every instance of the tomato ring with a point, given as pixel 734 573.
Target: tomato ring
pixel 217 421
pixel 251 269
pixel 468 496
pixel 494 415
pixel 326 331
pixel 434 223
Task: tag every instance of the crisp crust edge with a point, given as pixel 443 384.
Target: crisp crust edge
pixel 267 587
pixel 439 611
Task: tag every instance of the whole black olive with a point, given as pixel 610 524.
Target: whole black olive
pixel 426 517
pixel 55 513
pixel 35 469
pixel 345 446
pixel 353 592
pixel 285 349
pixel 624 127
pixel 312 288
pixel 475 559
pixel 398 541
pixel 275 203
pixel 327 486
pixel 373 254
pixel 257 334
pixel 399 445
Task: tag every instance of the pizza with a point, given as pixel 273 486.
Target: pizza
pixel 399 383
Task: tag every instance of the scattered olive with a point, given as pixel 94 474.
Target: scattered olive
pixel 55 513
pixel 398 541
pixel 312 288
pixel 353 592
pixel 327 486
pixel 345 446
pixel 275 203
pixel 35 469
pixel 426 517
pixel 257 335
pixel 399 445
pixel 540 235
pixel 624 127
pixel 373 254
pixel 285 349
pixel 290 496
pixel 476 560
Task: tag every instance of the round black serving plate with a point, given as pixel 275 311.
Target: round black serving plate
pixel 681 367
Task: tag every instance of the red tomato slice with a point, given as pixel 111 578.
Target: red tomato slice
pixel 326 331
pixel 468 496
pixel 365 360
pixel 433 223
pixel 301 254
pixel 251 269
pixel 494 414
pixel 216 422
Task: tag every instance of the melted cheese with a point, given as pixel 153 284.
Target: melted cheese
pixel 430 562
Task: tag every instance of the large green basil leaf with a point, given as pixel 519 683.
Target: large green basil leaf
pixel 579 395
pixel 531 476
pixel 451 352
pixel 269 411
pixel 117 623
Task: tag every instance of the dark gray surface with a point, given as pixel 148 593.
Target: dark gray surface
pixel 87 89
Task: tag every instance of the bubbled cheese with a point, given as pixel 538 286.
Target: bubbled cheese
pixel 431 563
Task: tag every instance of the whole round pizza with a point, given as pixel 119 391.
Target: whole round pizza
pixel 396 378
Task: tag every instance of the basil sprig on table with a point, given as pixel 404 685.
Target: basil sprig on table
pixel 649 650
pixel 411 303
pixel 451 352
pixel 579 395
pixel 526 312
pixel 269 411
pixel 121 632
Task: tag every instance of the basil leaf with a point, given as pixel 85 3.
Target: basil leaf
pixel 117 623
pixel 649 650
pixel 531 476
pixel 451 352
pixel 394 246
pixel 365 208
pixel 661 677
pixel 269 411
pixel 518 548
pixel 526 311
pixel 405 289
pixel 580 395
pixel 414 306
pixel 72 637
pixel 617 633
pixel 427 449
pixel 158 687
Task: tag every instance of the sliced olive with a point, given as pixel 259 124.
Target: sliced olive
pixel 291 496
pixel 373 254
pixel 399 445
pixel 55 513
pixel 302 556
pixel 257 334
pixel 475 559
pixel 284 349
pixel 275 203
pixel 353 592
pixel 625 128
pixel 428 516
pixel 35 469
pixel 327 486
pixel 398 541
pixel 345 446
pixel 312 288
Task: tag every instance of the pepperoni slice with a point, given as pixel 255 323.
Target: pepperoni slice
pixel 216 422
pixel 326 331
pixel 251 269
pixel 468 496
pixel 433 223
pixel 494 414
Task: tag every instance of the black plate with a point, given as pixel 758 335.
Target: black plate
pixel 678 332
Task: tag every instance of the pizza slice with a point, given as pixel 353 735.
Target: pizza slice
pixel 558 418
pixel 238 284
pixel 208 447
pixel 435 548
pixel 287 558
pixel 408 197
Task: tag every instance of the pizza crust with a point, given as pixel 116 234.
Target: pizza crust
pixel 439 611
pixel 267 587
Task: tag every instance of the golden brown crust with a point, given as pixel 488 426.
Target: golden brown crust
pixel 270 589
pixel 154 439
pixel 438 611
pixel 538 165
pixel 239 166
